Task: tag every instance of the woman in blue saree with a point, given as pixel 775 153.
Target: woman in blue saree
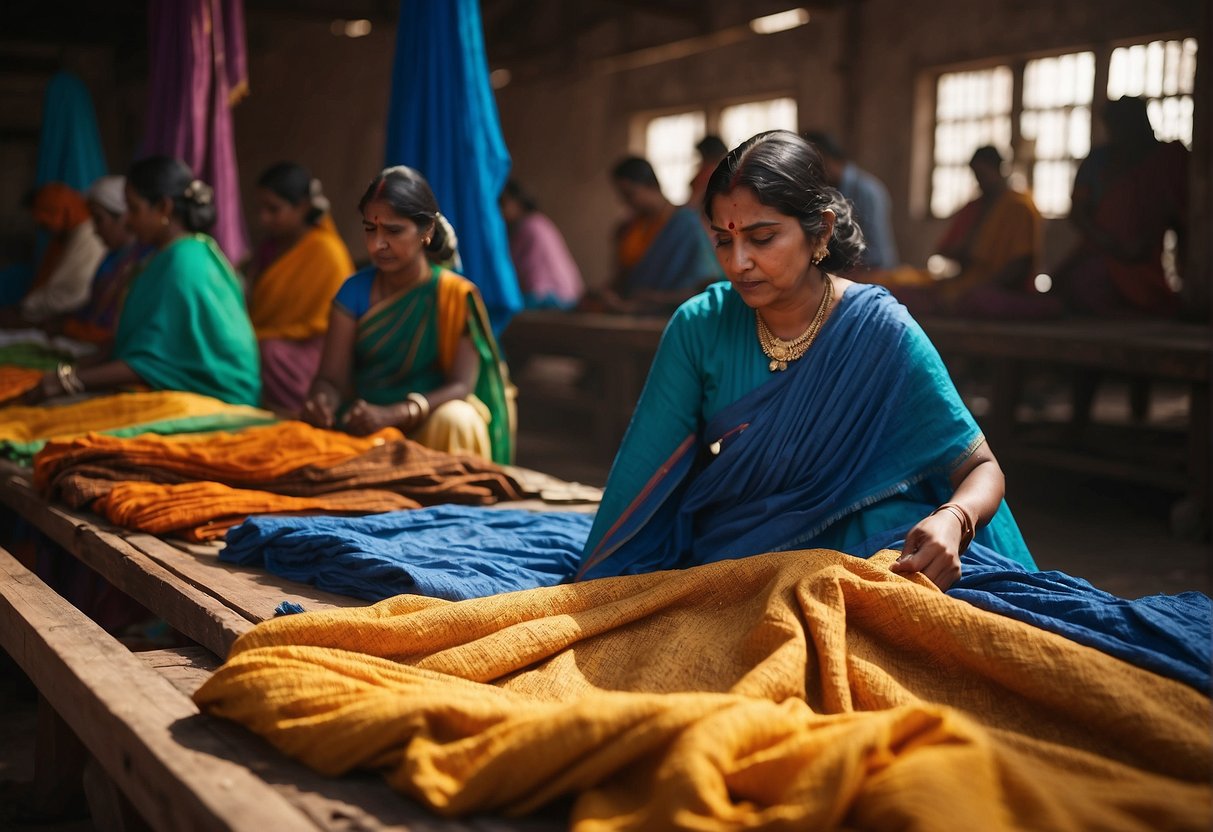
pixel 793 409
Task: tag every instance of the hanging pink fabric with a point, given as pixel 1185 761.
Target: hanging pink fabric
pixel 199 70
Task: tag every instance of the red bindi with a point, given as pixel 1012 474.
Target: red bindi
pixel 731 226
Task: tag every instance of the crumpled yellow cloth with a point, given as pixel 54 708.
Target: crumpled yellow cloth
pixel 798 690
pixel 25 424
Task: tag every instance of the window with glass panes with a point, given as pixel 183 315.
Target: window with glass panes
pixel 1164 73
pixel 669 145
pixel 1055 123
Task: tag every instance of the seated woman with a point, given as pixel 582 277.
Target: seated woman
pixel 61 281
pixel 994 243
pixel 297 271
pixel 183 325
pixel 96 321
pixel 662 255
pixel 1127 194
pixel 547 274
pixel 409 343
pixel 793 409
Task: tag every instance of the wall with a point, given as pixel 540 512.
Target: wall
pixel 856 77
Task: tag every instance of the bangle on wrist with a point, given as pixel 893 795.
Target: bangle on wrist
pixel 967 529
pixel 68 380
pixel 423 405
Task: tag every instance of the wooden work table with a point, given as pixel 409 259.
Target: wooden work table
pixel 130 715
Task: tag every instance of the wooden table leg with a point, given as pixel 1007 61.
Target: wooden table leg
pixel 1190 517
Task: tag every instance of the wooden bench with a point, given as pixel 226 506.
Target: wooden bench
pixel 616 351
pixel 1149 351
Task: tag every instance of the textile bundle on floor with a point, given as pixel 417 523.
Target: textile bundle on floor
pixel 799 690
pixel 257 465
pixel 451 552
pixel 25 430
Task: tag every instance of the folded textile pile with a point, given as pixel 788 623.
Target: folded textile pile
pixel 451 552
pixel 15 380
pixel 287 459
pixel 798 690
pixel 176 509
pixel 24 430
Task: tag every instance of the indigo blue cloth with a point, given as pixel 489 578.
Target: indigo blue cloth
pixel 442 120
pixel 1171 635
pixel 451 552
pixel 858 436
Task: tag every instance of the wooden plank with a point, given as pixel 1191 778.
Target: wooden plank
pixel 362 802
pixel 251 592
pixel 198 614
pixel 139 728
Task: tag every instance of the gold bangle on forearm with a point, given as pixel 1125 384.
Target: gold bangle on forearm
pixel 967 529
pixel 423 404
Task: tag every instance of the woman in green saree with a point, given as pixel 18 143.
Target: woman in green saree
pixel 409 343
pixel 183 324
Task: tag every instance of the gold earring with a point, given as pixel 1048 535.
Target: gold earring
pixel 820 255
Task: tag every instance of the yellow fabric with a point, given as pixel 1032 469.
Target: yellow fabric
pixel 292 297
pixel 459 426
pixel 15 381
pixel 799 690
pixel 26 424
pixel 1011 230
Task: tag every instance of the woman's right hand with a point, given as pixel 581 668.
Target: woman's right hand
pixel 320 410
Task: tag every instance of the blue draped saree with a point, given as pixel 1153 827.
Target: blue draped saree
pixel 846 450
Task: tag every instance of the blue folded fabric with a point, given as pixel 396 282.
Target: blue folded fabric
pixel 451 552
pixel 1171 635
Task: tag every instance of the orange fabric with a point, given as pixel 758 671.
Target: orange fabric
pixel 198 486
pixel 17 380
pixel 206 510
pixel 58 209
pixel 261 453
pixel 635 239
pixel 294 294
pixel 453 292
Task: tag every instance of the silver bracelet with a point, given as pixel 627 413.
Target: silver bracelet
pixel 423 404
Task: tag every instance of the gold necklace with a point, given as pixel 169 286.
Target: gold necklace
pixel 780 351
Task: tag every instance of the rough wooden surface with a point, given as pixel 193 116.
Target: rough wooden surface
pixel 137 725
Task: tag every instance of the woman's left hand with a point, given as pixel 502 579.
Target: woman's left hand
pixel 47 388
pixel 364 418
pixel 933 548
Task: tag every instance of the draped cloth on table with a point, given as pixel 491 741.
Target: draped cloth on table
pixel 199 71
pixel 442 120
pixel 197 487
pixel 798 690
pixel 449 551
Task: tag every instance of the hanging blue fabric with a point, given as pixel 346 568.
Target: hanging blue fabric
pixel 69 151
pixel 442 120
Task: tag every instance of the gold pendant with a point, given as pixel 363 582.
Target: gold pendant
pixel 777 365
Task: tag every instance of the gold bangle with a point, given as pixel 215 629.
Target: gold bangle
pixel 423 404
pixel 967 529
